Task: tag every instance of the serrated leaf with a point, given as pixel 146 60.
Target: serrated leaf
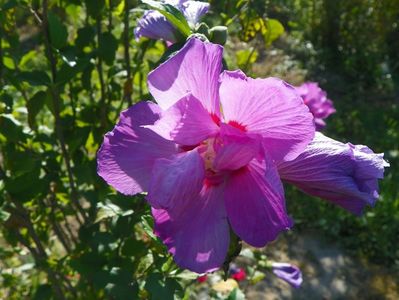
pixel 172 14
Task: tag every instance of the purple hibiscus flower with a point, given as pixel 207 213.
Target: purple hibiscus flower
pixel 289 273
pixel 206 154
pixel 316 99
pixel 344 174
pixel 155 26
pixel 210 154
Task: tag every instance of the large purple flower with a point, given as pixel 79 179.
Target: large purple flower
pixel 155 26
pixel 344 174
pixel 316 99
pixel 289 273
pixel 206 154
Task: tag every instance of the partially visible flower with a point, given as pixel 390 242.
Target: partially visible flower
pixel 289 273
pixel 202 278
pixel 344 174
pixel 208 169
pixel 316 99
pixel 155 26
pixel 238 274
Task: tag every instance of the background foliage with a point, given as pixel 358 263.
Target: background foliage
pixel 67 68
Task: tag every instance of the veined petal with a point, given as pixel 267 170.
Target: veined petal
pixel 128 152
pixel 344 174
pixel 155 26
pixel 187 122
pixel 198 236
pixel 269 107
pixel 194 10
pixel 194 69
pixel 255 205
pixel 176 180
pixel 237 149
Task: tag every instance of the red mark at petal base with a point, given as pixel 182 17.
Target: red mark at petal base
pixel 238 125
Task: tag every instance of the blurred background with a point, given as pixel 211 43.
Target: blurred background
pixel 67 69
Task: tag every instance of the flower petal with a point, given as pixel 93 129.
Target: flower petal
pixel 186 122
pixel 344 174
pixel 289 273
pixel 237 149
pixel 198 236
pixel 176 180
pixel 155 26
pixel 128 152
pixel 254 199
pixel 269 107
pixel 194 69
pixel 316 99
pixel 194 10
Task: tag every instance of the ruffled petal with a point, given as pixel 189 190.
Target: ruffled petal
pixel 128 152
pixel 176 180
pixel 187 122
pixel 155 26
pixel 194 69
pixel 255 205
pixel 269 107
pixel 236 149
pixel 344 174
pixel 194 10
pixel 316 99
pixel 198 236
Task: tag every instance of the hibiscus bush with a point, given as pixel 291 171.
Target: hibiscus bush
pixel 144 145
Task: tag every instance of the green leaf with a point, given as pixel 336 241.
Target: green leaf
pixel 58 31
pixel 172 14
pixel 274 29
pixel 43 292
pixel 236 294
pixel 160 288
pixel 20 162
pixel 245 58
pixel 11 129
pixel 34 106
pixel 132 247
pixel 109 211
pixel 8 5
pixel 94 7
pixel 108 45
pixel 35 78
pixel 4 215
pixel 85 37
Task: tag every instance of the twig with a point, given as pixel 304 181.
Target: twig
pixel 128 85
pixel 103 108
pixel 56 104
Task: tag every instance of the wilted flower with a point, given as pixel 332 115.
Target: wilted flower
pixel 316 99
pixel 154 25
pixel 203 168
pixel 344 174
pixel 289 273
